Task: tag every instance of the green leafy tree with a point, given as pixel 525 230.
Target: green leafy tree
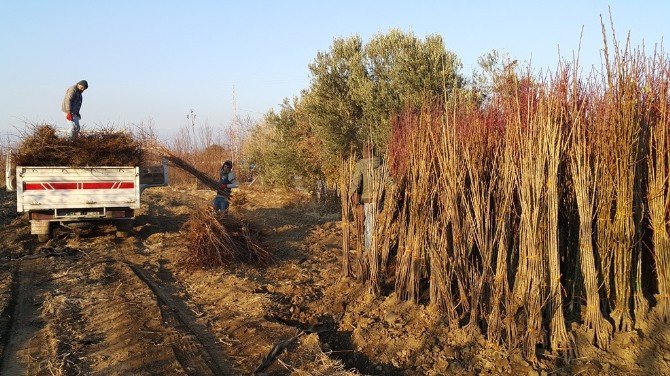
pixel 404 71
pixel 357 88
pixel 284 149
pixel 331 103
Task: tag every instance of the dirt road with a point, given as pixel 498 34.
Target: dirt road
pixel 84 304
pixel 90 303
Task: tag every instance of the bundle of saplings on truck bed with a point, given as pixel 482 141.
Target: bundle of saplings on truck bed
pixel 98 176
pixel 107 147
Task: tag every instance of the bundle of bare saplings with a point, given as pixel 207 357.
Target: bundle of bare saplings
pixel 547 205
pixel 215 240
pixel 107 147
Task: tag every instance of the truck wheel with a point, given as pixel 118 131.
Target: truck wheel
pixel 40 228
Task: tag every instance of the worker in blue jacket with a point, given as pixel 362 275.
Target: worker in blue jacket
pixel 227 181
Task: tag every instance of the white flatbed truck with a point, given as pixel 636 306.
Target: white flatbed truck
pixel 82 194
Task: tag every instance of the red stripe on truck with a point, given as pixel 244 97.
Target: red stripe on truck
pixel 48 186
pixel 33 187
pixel 109 185
pixel 57 185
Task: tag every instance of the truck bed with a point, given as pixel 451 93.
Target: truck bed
pixel 53 188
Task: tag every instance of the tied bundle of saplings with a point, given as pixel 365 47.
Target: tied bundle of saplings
pixel 217 240
pixel 42 146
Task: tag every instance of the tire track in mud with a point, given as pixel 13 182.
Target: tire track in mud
pixel 16 317
pixel 120 326
pixel 198 349
pixel 107 316
pixel 58 328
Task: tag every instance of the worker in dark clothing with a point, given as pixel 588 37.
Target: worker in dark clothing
pixel 368 178
pixel 72 105
pixel 227 181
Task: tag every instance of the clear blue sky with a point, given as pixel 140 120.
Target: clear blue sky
pixel 159 59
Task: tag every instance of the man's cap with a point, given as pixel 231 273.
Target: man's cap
pixel 83 83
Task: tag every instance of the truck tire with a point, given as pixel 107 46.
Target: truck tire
pixel 40 228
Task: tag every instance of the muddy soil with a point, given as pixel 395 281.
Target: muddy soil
pixel 91 303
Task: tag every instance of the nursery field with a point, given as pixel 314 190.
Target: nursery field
pixel 90 303
pixel 400 216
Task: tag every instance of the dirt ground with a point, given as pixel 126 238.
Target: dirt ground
pixel 91 303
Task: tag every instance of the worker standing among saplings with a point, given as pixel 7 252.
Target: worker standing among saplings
pixel 227 181
pixel 369 175
pixel 72 105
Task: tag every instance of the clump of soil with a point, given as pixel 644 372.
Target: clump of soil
pixel 107 147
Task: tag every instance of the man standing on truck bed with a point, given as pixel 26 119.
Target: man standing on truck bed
pixel 72 105
pixel 227 181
